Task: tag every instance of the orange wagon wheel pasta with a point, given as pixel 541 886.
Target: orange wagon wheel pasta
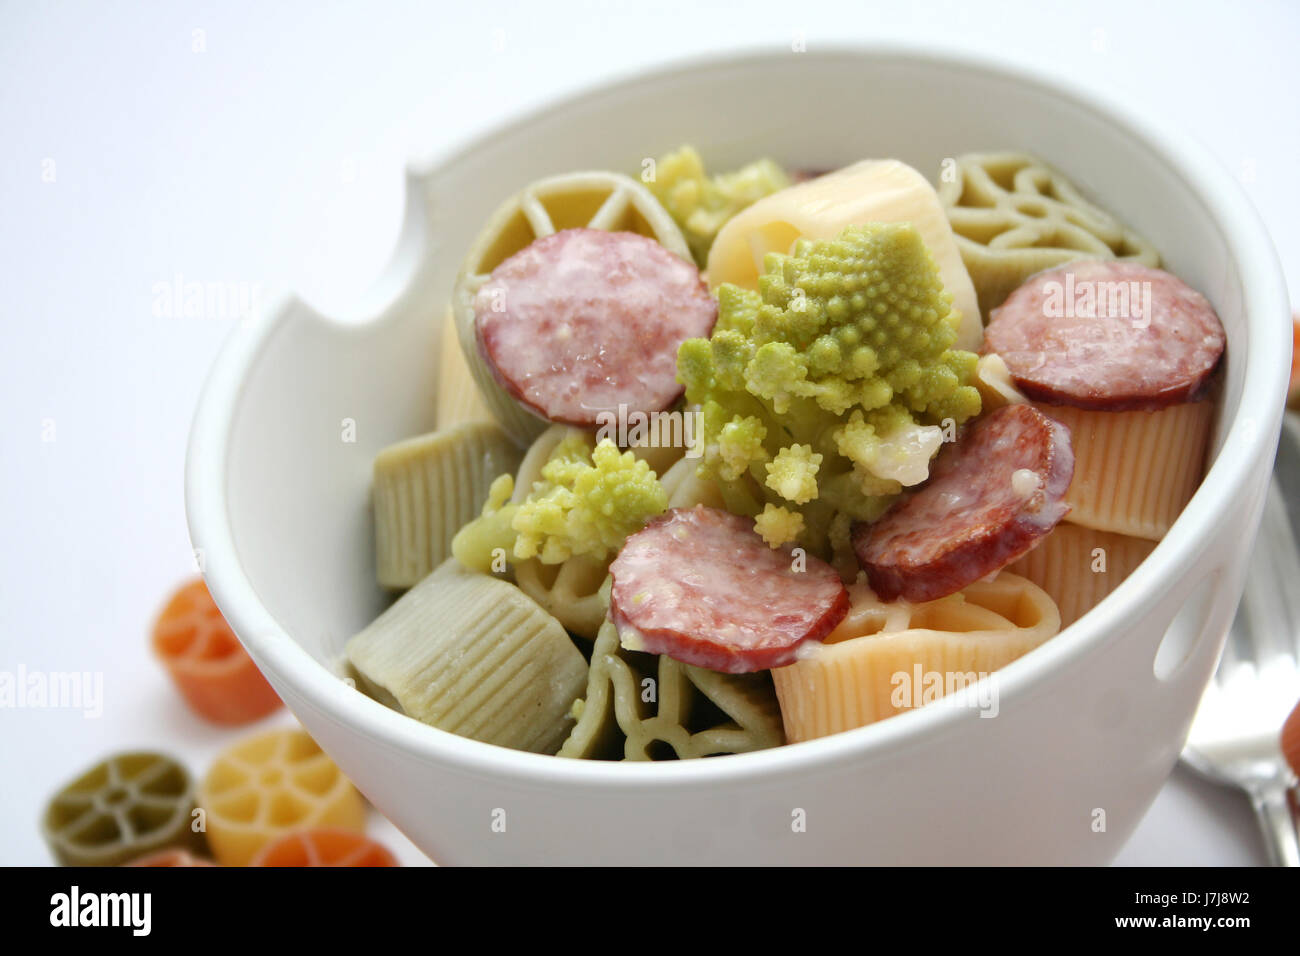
pixel 271 784
pixel 324 847
pixel 206 661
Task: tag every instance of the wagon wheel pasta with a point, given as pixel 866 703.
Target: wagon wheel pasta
pixel 854 677
pixel 1014 215
pixel 643 707
pixel 206 662
pixel 476 656
pixel 125 806
pixel 428 488
pixel 324 846
pixel 606 201
pixel 569 591
pixel 270 784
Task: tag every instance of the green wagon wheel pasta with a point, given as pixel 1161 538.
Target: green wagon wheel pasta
pixel 642 707
pixel 475 656
pixel 1014 215
pixel 428 488
pixel 123 807
pixel 594 200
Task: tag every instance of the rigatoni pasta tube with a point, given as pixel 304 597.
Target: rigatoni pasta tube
pixel 474 656
pixel 851 678
pixel 1079 566
pixel 1134 471
pixel 426 489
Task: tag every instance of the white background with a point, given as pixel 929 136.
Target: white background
pixel 264 143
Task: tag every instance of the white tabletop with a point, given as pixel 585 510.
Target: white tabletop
pixel 247 142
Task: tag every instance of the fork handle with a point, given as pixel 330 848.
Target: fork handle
pixel 1273 810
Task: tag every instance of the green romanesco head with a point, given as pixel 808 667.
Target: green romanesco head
pixel 701 205
pixel 838 372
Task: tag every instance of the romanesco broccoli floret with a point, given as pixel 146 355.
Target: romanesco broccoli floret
pixel 777 525
pixel 701 205
pixel 793 473
pixel 587 502
pixel 835 380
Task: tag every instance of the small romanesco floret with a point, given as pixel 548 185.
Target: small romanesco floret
pixel 588 501
pixel 777 525
pixel 839 374
pixel 793 473
pixel 701 205
pixel 586 505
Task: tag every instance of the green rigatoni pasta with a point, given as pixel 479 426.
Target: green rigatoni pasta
pixel 475 656
pixel 426 489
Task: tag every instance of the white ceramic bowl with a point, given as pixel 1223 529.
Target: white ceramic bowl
pixel 1089 725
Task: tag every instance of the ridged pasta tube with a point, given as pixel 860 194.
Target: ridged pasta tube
pixel 426 489
pixel 475 656
pixel 856 675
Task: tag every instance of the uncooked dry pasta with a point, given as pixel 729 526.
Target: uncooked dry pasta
pixel 1014 216
pixel 428 488
pixel 268 785
pixel 123 807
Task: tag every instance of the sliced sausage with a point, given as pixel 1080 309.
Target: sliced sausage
pixel 583 321
pixel 1107 335
pixel 991 497
pixel 701 586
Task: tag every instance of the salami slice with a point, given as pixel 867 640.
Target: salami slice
pixel 1109 336
pixel 991 497
pixel 701 586
pixel 583 321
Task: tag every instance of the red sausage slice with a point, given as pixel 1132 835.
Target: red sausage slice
pixel 701 586
pixel 582 321
pixel 990 498
pixel 1108 336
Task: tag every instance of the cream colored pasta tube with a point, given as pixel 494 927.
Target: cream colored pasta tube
pixel 459 400
pixel 1134 471
pixel 874 190
pixel 1079 566
pixel 884 658
pixel 475 656
pixel 426 489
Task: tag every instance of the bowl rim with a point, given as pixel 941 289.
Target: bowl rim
pixel 1248 439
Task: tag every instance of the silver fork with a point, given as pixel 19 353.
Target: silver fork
pixel 1235 736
